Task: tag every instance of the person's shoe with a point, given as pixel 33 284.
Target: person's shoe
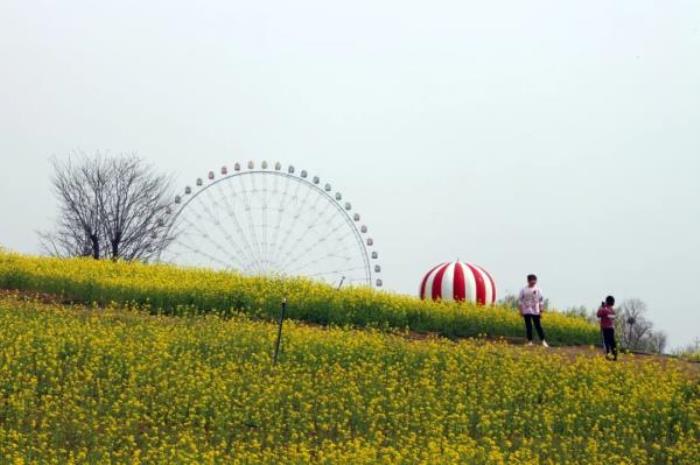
pixel 544 344
pixel 529 344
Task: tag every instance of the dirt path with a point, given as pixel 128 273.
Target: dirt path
pixel 40 297
pixel 573 352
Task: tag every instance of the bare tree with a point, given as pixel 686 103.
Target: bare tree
pixel 635 331
pixel 110 207
pixel 580 311
pixel 656 342
pixel 509 301
pixel 513 301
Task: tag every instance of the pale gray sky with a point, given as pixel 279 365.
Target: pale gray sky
pixel 561 138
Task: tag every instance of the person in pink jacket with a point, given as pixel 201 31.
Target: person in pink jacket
pixel 606 315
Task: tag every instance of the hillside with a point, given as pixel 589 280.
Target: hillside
pixel 117 385
pixel 178 291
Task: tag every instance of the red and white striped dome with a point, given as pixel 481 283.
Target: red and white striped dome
pixel 459 281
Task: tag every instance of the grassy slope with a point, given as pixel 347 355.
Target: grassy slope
pixel 119 386
pixel 177 291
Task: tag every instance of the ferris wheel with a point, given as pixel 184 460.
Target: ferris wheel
pixel 270 220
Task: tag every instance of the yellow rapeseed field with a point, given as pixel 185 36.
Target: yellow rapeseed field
pixel 180 291
pixel 120 386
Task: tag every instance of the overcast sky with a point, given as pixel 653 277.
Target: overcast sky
pixel 561 138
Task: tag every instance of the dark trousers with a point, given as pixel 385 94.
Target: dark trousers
pixel 609 341
pixel 529 319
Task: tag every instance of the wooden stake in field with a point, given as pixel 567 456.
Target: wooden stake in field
pixel 283 312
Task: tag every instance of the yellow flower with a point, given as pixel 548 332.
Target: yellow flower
pixel 116 384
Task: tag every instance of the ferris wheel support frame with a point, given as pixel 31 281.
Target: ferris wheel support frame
pixel 286 175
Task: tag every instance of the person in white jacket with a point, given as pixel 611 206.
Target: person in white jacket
pixel 531 304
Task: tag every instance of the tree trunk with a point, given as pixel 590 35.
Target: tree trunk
pixel 95 246
pixel 115 245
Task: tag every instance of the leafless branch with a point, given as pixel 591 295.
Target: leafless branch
pixel 635 331
pixel 110 207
